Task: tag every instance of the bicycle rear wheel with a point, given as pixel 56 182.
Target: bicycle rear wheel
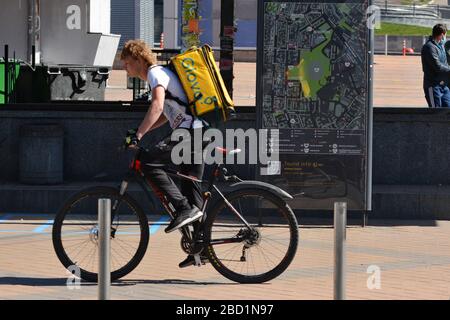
pixel 75 233
pixel 256 254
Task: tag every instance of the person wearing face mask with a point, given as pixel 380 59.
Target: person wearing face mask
pixel 436 70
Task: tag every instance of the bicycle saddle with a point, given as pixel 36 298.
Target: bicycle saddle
pixel 226 151
pixel 155 165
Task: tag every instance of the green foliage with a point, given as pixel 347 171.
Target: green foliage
pixel 417 2
pixel 393 29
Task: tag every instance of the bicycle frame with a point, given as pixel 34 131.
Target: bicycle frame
pixel 136 174
pixel 199 239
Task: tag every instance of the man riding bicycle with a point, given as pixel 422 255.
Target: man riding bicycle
pixel 140 62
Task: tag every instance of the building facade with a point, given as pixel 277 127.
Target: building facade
pixel 148 19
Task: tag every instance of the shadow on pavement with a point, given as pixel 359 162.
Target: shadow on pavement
pixel 406 223
pixel 326 223
pixel 169 282
pixel 37 282
pixel 62 282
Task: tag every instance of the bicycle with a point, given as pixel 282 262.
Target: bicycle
pixel 232 234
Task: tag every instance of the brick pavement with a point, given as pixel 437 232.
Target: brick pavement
pixel 413 257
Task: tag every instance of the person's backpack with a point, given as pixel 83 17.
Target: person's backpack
pixel 203 84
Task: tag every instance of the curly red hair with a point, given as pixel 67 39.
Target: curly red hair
pixel 138 49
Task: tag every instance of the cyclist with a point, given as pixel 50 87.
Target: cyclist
pixel 139 61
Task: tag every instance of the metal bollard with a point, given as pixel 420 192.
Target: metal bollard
pixel 340 224
pixel 386 40
pixel 104 242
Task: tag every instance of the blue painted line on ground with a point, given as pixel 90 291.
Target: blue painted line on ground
pixel 158 224
pixel 28 214
pixel 47 224
pixel 10 216
pixel 16 231
pixel 5 217
pixel 43 227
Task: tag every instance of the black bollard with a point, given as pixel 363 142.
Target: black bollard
pixel 6 74
pixel 33 56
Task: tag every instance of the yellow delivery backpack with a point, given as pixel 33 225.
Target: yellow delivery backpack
pixel 202 83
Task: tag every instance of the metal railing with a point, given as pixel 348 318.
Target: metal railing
pixel 429 11
pixel 393 45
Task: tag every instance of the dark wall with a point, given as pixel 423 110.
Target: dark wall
pixel 91 141
pixel 411 147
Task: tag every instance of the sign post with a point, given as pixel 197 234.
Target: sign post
pixel 314 77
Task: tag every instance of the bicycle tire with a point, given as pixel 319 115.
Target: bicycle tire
pixel 293 242
pixel 106 192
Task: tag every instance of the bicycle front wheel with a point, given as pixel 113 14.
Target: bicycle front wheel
pixel 75 233
pixel 257 250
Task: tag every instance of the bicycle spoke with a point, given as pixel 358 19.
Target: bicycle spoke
pixel 267 244
pixel 76 244
pixel 273 246
pixel 128 252
pixel 115 262
pixel 253 262
pixel 93 258
pixel 125 243
pixel 114 251
pixel 267 257
pixel 79 230
pixel 89 253
pixel 80 249
pixel 264 256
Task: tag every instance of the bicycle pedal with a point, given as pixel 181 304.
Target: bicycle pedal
pixel 198 261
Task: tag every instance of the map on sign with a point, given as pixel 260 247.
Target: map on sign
pixel 315 66
pixel 314 87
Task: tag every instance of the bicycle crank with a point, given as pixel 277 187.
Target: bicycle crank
pixel 189 247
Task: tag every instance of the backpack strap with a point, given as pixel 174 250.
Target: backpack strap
pixel 177 100
pixel 170 96
pixel 189 106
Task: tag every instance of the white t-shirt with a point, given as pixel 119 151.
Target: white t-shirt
pixel 175 113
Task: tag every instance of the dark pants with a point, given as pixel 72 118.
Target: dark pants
pixel 437 96
pixel 190 192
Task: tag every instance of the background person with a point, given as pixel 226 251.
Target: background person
pixel 436 70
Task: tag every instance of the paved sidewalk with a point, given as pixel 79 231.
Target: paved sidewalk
pixel 413 258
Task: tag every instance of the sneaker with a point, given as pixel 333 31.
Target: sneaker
pixel 190 261
pixel 183 218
